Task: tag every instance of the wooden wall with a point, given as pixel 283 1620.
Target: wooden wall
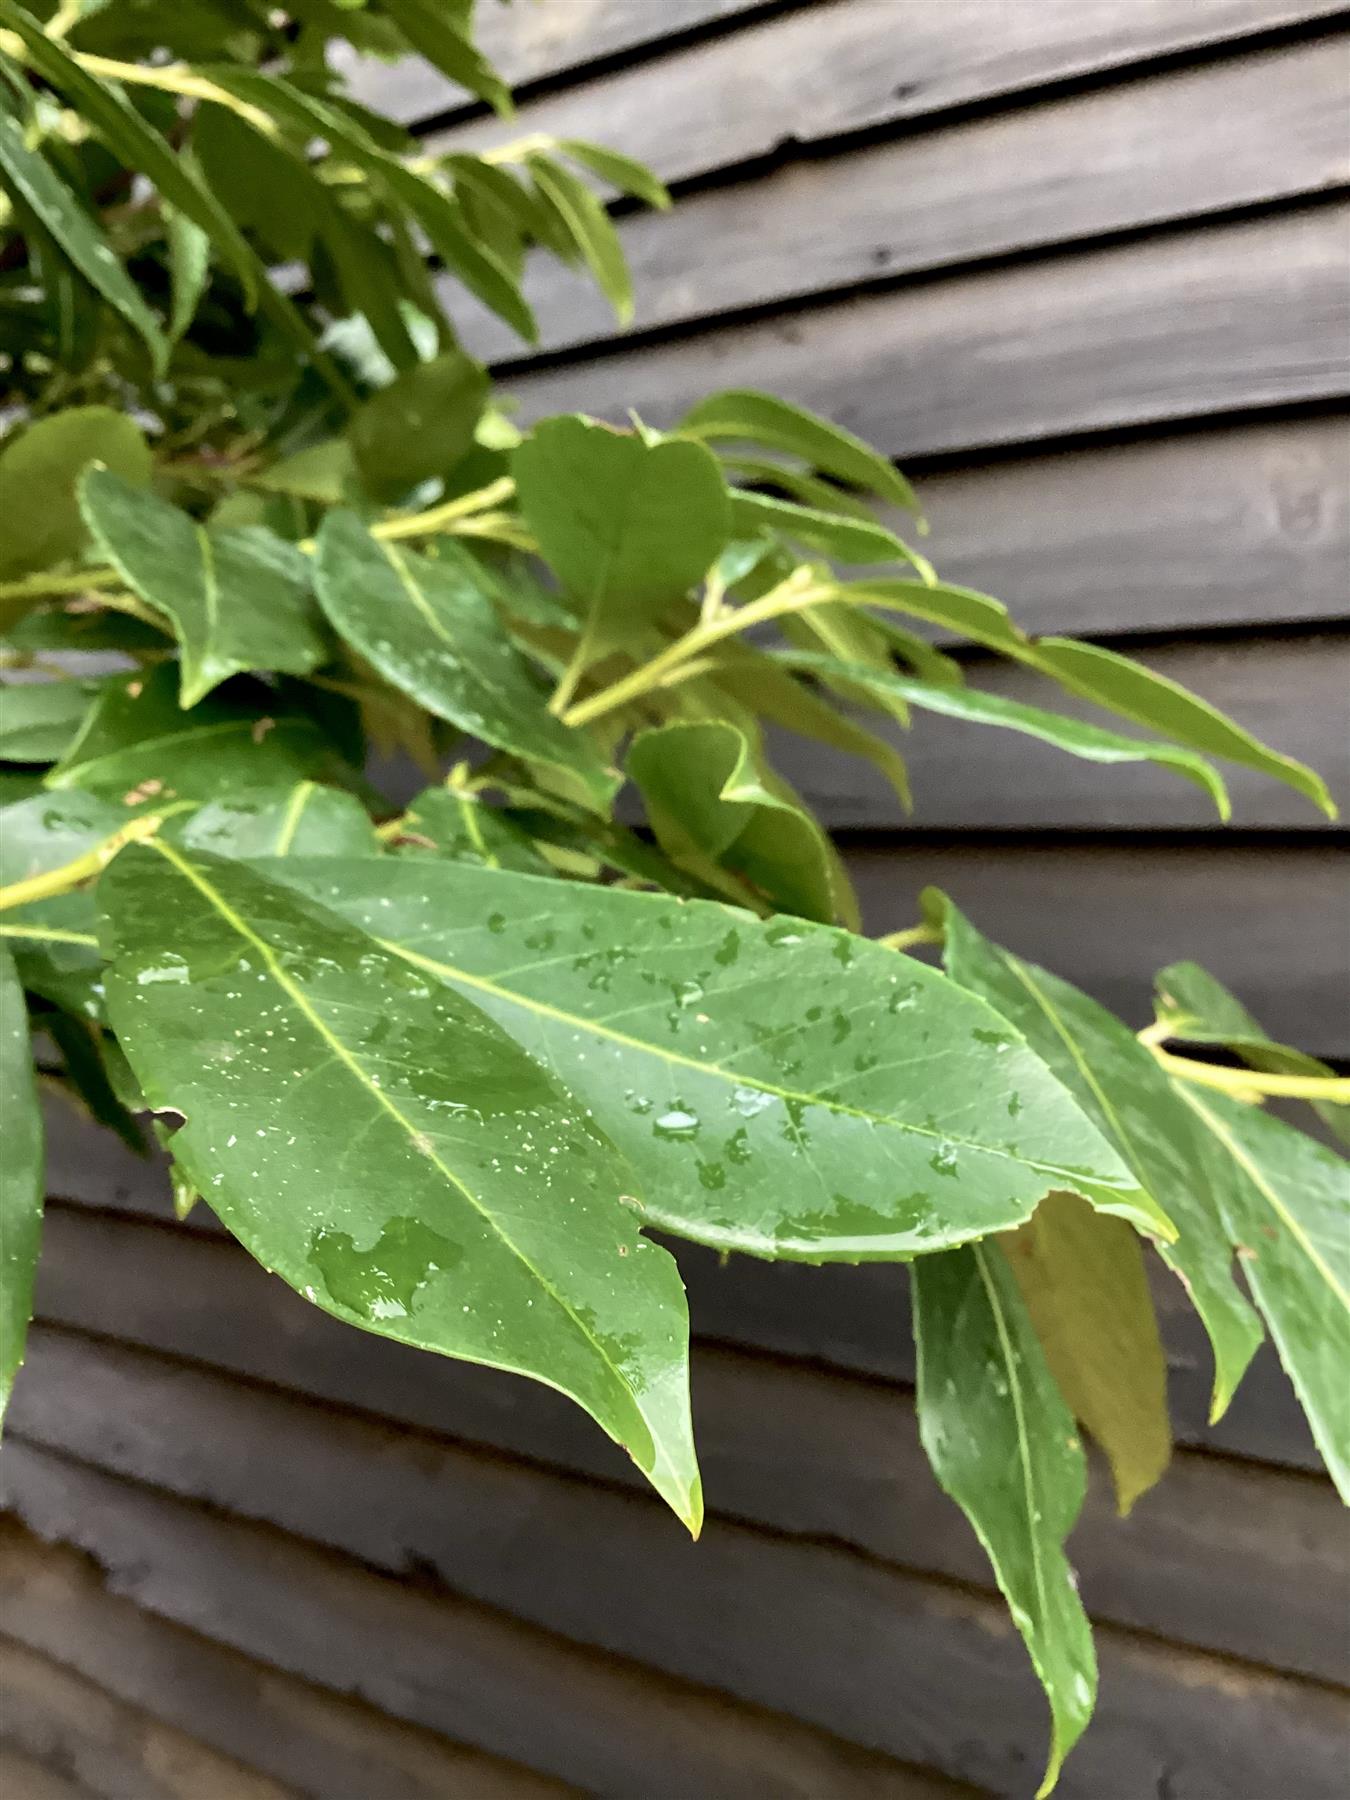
pixel 1082 269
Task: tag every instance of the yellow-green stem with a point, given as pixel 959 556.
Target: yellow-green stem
pixel 84 868
pixel 1246 1082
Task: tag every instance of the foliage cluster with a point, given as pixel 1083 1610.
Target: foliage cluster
pixel 443 1066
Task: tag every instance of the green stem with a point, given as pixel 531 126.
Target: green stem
pixel 914 934
pixel 1247 1083
pixel 84 868
pixel 51 587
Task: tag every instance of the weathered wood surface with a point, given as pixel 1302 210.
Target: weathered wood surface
pixel 1273 129
pixel 1172 328
pixel 21 1774
pixel 1293 693
pixel 1240 525
pixel 434 1659
pixel 864 1652
pixel 844 66
pixel 56 1601
pixel 109 1748
pixel 785 1448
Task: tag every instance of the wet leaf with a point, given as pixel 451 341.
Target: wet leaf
pixel 1285 1201
pixel 1003 1445
pixel 626 525
pixel 431 629
pixel 1120 1086
pixel 378 1142
pixel 238 600
pixel 714 810
pixel 782 1088
pixel 38 472
pixel 304 819
pixel 462 826
pixel 1081 1276
pixel 21 1169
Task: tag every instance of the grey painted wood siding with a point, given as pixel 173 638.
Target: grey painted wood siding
pixel 1082 267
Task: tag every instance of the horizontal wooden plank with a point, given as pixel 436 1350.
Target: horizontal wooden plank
pixel 782 1446
pixel 1273 128
pixel 440 1661
pixel 21 1774
pixel 110 1748
pixel 531 42
pixel 314 1742
pixel 1180 326
pixel 829 70
pixel 1108 915
pixel 1228 526
pixel 873 1656
pixel 1295 694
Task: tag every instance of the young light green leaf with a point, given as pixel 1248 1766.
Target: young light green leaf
pixel 189 269
pixel 238 600
pixel 137 747
pixel 431 629
pixel 419 426
pixel 807 490
pixel 435 32
pixel 848 540
pixel 1120 1086
pixel 714 811
pixel 1134 692
pixel 1081 1276
pixel 626 526
pixel 1285 1201
pixel 588 225
pixel 21 1169
pixel 1200 1010
pixel 378 1142
pixel 1086 741
pixel 39 469
pixel 39 719
pixel 105 108
pixel 742 415
pixel 889 1114
pixel 41 190
pixel 1002 1443
pixel 622 172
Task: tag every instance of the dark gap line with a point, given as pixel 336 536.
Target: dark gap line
pixel 887 841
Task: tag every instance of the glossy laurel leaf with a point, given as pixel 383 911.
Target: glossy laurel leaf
pixel 20 1176
pixel 378 1142
pixel 781 1088
pixel 39 469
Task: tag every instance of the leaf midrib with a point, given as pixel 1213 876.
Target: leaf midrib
pixel 451 972
pixel 338 1049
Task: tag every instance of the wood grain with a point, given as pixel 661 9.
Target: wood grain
pixel 782 1446
pixel 314 1742
pixel 1248 315
pixel 830 69
pixel 793 1625
pixel 437 1660
pixel 1294 694
pixel 1273 128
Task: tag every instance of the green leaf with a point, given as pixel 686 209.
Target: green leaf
pixel 808 490
pixel 431 629
pixel 784 1089
pixel 1082 1279
pixel 1134 692
pixel 1086 741
pixel 1121 1087
pixel 104 107
pixel 421 425
pixel 137 746
pixel 590 229
pixel 38 500
pixel 627 526
pixel 1200 1010
pixel 712 810
pixel 85 1072
pixel 846 539
pixel 20 1176
pixel 305 819
pixel 445 42
pixel 238 600
pixel 189 269
pixel 622 172
pixel 38 719
pixel 1285 1201
pixel 1002 1444
pixel 39 188
pixel 742 415
pixel 392 1154
pixel 460 825
pixel 54 942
